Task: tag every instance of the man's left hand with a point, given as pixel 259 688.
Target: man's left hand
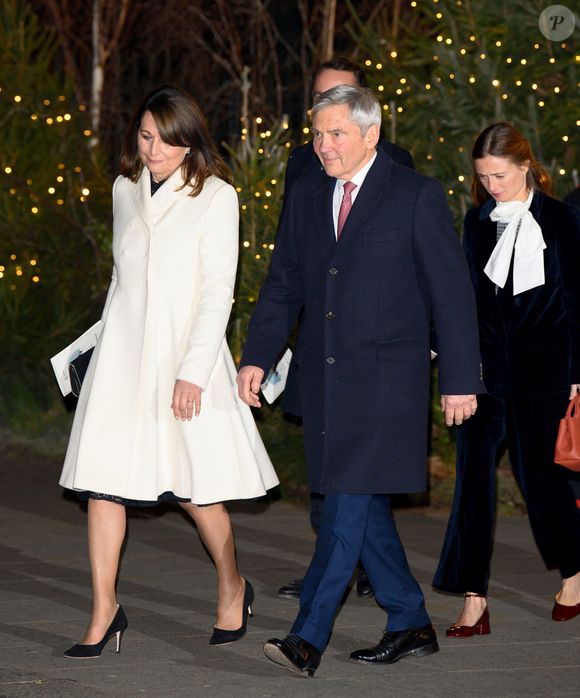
pixel 458 408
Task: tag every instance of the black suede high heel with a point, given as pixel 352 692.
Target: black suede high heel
pixel 117 627
pixel 223 637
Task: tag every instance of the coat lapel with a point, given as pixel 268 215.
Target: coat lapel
pixel 151 209
pixel 322 194
pixel 141 195
pixel 370 192
pixel 167 195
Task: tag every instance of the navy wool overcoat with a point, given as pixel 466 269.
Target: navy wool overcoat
pixel 363 347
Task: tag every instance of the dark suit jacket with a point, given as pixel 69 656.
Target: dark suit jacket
pixel 363 346
pixel 530 343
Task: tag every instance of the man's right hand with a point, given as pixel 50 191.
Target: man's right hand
pixel 249 381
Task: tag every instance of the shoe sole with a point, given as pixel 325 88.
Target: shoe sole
pixel 425 651
pixel 468 635
pixel 276 655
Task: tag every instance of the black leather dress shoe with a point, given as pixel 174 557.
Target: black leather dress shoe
pixel 396 645
pixel 293 653
pixel 291 590
pixel 364 589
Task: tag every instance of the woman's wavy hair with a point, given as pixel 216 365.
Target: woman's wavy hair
pixel 180 122
pixel 505 141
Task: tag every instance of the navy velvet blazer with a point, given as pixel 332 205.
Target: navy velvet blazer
pixel 363 344
pixel 530 343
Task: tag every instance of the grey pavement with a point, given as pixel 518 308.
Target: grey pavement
pixel 167 588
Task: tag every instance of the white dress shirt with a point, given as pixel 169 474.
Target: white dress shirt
pixel 358 179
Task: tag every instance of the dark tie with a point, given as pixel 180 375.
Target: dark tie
pixel 345 206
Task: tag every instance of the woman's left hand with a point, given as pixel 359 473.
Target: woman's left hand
pixel 186 400
pixel 574 390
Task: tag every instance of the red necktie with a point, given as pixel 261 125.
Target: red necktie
pixel 345 206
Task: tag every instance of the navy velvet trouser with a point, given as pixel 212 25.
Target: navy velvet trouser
pixel 353 527
pixel 527 425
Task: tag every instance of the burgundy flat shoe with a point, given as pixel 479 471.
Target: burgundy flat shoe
pixel 561 612
pixel 482 627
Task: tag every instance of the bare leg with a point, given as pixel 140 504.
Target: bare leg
pixel 215 529
pixel 570 594
pixel 473 607
pixel 107 523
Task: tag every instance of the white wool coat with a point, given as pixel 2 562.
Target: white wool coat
pixel 165 317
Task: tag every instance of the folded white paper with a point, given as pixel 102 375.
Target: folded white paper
pixel 275 381
pixel 61 360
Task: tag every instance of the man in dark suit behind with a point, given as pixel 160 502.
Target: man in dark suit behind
pixel 370 253
pixel 303 160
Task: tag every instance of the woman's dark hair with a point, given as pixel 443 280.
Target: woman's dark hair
pixel 503 140
pixel 180 122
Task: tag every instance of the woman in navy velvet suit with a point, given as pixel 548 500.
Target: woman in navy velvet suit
pixel 523 250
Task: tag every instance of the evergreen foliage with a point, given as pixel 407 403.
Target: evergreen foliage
pixel 258 161
pixel 458 66
pixel 53 237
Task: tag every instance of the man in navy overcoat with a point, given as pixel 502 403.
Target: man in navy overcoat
pixel 370 255
pixel 304 160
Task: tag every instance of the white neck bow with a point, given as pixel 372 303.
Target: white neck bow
pixel 527 247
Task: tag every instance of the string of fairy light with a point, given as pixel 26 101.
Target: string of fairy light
pixel 444 41
pixel 395 101
pixel 259 138
pixel 13 269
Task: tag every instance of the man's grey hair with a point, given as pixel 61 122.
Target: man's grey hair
pixel 364 107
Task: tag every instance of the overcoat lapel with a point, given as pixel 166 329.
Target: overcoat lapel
pixel 141 195
pixel 372 189
pixel 152 208
pixel 167 195
pixel 322 209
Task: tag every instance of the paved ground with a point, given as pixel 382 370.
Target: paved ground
pixel 167 590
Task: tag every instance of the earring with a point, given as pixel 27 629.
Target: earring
pixel 188 151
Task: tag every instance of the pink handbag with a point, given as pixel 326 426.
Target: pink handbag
pixel 567 452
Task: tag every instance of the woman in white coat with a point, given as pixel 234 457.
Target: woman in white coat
pixel 158 417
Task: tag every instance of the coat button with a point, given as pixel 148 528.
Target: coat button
pixel 333 271
pixel 330 315
pixel 330 360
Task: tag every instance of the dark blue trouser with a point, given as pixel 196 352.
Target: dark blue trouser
pixel 354 527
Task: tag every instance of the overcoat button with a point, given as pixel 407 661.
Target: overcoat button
pixel 333 271
pixel 330 360
pixel 330 315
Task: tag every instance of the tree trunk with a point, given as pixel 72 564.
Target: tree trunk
pixel 328 30
pixel 97 73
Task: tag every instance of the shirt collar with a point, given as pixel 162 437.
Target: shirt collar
pixel 359 177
